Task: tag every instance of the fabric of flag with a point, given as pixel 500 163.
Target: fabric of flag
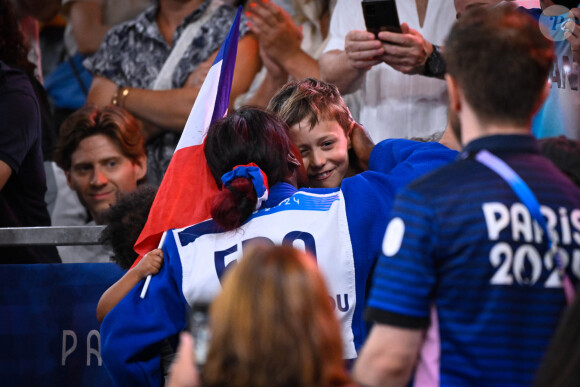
pixel 188 186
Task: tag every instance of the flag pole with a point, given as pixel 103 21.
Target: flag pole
pixel 148 279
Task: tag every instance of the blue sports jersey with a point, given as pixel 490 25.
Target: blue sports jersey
pixel 460 239
pixel 342 227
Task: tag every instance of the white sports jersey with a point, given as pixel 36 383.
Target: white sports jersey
pixel 304 220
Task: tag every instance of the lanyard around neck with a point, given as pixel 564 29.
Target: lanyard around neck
pixel 527 197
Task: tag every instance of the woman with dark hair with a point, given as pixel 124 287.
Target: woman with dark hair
pixel 251 155
pixel 258 137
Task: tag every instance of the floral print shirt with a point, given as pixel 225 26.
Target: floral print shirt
pixel 133 53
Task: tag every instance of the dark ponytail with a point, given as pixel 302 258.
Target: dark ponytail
pixel 234 204
pixel 250 135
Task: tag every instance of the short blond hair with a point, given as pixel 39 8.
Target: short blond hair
pixel 311 99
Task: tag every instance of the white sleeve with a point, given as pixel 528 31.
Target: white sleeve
pixel 347 16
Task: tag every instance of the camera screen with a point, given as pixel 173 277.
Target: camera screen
pixel 199 329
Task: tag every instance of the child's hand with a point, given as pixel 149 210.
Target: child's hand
pixel 150 264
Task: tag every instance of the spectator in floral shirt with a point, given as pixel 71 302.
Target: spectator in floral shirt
pixel 131 68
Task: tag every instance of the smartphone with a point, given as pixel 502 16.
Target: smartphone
pixel 381 15
pixel 200 330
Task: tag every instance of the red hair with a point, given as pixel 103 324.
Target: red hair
pixel 234 204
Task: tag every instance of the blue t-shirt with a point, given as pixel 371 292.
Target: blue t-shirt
pixel 460 239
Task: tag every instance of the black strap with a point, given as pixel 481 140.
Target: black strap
pixel 75 70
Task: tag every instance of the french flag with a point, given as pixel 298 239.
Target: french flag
pixel 188 187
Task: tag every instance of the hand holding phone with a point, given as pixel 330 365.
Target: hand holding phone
pixel 183 372
pixel 199 329
pixel 381 15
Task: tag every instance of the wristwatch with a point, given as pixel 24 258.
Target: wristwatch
pixel 435 64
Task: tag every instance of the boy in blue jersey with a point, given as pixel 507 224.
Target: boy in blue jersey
pixel 461 252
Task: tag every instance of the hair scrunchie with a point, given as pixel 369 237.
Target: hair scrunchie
pixel 255 174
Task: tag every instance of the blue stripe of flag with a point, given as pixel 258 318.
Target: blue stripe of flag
pixel 227 55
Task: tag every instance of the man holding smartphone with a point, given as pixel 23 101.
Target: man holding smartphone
pixel 388 68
